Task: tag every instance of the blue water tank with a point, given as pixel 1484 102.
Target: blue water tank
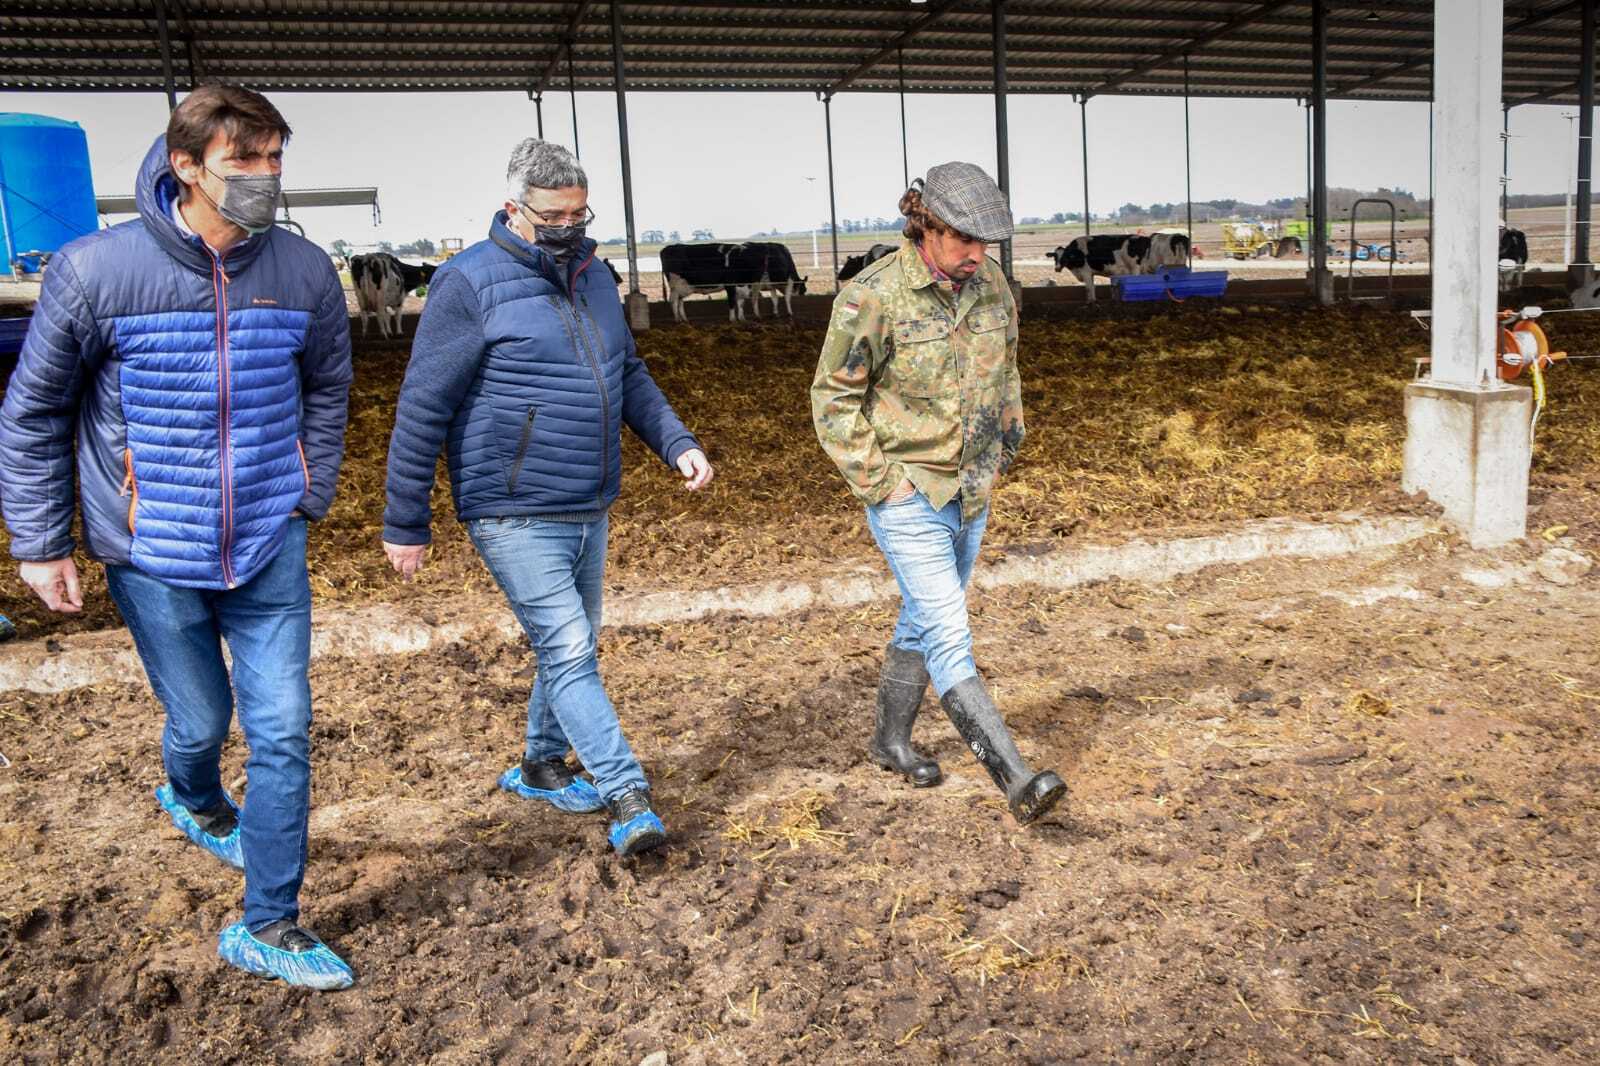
pixel 46 194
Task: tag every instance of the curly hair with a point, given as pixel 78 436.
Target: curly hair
pixel 919 220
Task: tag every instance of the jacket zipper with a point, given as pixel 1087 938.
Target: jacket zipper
pixel 605 397
pixel 130 487
pixel 522 452
pixel 219 287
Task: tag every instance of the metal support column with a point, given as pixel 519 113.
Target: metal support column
pixel 1505 164
pixel 1188 183
pixel 538 110
pixel 1432 96
pixel 833 211
pixel 905 145
pixel 1083 125
pixel 572 90
pixel 166 55
pixel 637 304
pixel 1321 282
pixel 1001 132
pixel 1580 228
pixel 1307 103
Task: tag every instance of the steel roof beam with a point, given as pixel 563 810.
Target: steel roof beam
pixel 895 44
pixel 1421 62
pixel 580 10
pixel 1235 23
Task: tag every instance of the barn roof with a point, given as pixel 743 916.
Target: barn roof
pixel 1378 49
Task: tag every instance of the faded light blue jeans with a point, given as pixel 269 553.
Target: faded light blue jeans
pixel 551 574
pixel 267 624
pixel 931 554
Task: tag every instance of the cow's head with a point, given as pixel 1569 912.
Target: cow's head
pixel 1059 257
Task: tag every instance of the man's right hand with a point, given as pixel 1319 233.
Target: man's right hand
pixel 405 558
pixel 56 583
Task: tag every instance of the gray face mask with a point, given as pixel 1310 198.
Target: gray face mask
pixel 249 201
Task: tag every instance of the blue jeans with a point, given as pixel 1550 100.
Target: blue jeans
pixel 267 624
pixel 551 574
pixel 931 554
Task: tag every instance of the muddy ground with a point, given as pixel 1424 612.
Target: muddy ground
pixel 1321 812
pixel 1156 423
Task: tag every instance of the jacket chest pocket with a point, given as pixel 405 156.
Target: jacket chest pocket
pixel 986 329
pixel 924 361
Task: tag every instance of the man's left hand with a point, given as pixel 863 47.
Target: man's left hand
pixel 694 466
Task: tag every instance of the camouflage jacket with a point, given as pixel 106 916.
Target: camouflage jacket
pixel 917 382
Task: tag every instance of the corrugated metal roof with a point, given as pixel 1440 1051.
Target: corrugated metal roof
pixel 1377 50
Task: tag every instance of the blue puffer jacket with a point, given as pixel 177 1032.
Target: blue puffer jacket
pixel 525 374
pixel 208 399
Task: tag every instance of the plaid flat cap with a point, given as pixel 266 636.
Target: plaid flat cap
pixel 967 199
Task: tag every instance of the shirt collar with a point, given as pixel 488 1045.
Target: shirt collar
pixel 188 231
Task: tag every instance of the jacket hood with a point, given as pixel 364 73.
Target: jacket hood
pixel 155 192
pixel 539 259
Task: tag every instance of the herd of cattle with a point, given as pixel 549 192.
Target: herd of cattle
pixel 748 271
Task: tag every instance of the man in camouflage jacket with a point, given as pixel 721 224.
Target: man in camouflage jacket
pixel 918 402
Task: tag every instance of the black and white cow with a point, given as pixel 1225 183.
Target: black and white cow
pixel 735 269
pixel 1106 255
pixel 1513 258
pixel 1167 250
pixel 857 263
pixel 381 282
pixel 780 279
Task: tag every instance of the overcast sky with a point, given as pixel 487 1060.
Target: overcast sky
pixel 738 163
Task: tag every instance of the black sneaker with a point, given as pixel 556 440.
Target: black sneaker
pixel 550 775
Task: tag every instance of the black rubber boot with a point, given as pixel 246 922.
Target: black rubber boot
pixel 978 721
pixel 905 678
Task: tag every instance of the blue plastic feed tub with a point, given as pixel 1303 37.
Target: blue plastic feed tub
pixel 1178 283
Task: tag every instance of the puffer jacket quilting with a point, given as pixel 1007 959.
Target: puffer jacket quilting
pixel 525 376
pixel 198 433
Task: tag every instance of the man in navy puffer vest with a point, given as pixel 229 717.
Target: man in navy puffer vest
pixel 201 358
pixel 524 371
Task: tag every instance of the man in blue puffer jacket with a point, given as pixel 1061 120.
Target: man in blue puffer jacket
pixel 524 371
pixel 201 358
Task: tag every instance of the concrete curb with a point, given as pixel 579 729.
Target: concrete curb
pixel 108 657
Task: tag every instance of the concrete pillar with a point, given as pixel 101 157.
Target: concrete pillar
pixel 637 305
pixel 1467 442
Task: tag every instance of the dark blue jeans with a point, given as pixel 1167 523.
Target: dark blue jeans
pixel 267 624
pixel 551 573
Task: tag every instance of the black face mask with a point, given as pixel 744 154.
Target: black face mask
pixel 558 242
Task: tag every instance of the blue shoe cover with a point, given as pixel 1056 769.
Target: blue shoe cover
pixel 230 849
pixel 580 797
pixel 318 968
pixel 639 833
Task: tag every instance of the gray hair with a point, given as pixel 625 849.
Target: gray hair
pixel 537 164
